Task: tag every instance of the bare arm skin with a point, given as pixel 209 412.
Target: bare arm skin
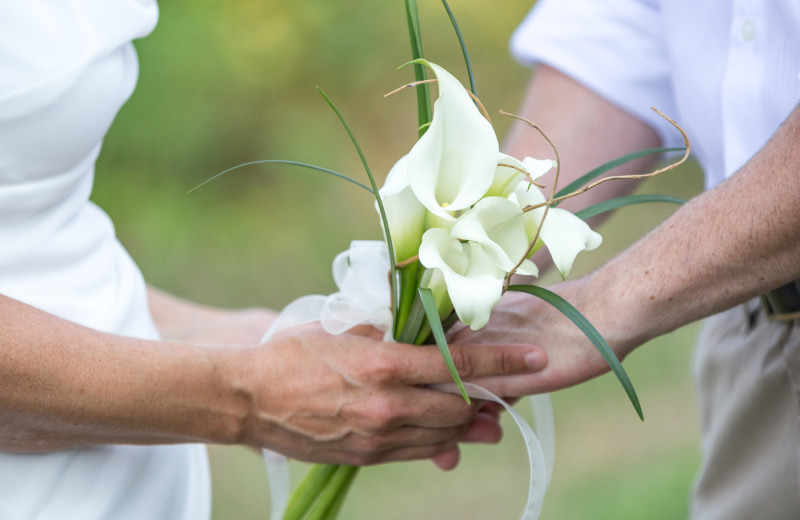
pixel 724 247
pixel 587 130
pixel 341 399
pixel 183 320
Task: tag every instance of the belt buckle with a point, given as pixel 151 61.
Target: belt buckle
pixel 783 303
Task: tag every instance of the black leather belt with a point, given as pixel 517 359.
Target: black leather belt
pixel 783 303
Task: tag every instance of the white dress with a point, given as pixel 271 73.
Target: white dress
pixel 66 68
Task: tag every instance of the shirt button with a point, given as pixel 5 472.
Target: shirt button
pixel 748 30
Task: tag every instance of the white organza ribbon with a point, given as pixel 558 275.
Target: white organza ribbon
pixel 364 298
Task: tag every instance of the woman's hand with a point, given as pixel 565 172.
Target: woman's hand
pixel 354 399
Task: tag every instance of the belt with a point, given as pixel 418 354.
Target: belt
pixel 783 303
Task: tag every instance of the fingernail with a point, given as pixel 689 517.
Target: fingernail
pixel 535 360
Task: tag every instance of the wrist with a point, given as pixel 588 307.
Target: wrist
pixel 232 397
pixel 612 304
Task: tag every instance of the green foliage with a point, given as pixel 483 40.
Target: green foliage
pixel 429 304
pixel 591 334
pixel 621 202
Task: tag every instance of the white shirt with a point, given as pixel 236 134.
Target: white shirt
pixel 728 71
pixel 66 67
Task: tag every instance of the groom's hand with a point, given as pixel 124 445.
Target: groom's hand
pixel 571 358
pixel 354 399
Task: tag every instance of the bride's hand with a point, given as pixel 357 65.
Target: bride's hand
pixel 353 399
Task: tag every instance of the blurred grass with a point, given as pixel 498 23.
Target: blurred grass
pixel 223 84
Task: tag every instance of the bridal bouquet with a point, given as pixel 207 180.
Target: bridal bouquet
pixel 459 219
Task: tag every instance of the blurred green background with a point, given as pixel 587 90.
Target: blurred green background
pixel 226 83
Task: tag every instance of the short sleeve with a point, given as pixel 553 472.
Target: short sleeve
pixel 614 47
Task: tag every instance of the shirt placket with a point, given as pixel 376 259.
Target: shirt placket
pixel 743 83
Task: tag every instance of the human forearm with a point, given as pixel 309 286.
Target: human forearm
pixel 64 385
pixel 587 130
pixel 728 245
pixel 340 399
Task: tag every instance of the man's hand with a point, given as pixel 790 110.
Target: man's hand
pixel 521 318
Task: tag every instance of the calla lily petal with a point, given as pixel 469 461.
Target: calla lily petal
pixel 433 279
pixel 405 214
pixel 566 235
pixel 452 166
pixel 498 225
pixel 509 173
pixel 527 194
pixel 538 167
pixel 474 282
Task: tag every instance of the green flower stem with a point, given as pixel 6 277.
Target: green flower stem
pixel 408 291
pixel 306 493
pixel 330 500
pixel 424 333
pixel 424 111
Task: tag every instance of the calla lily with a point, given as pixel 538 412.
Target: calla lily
pixel 474 282
pixel 537 167
pixel 508 174
pixel 498 225
pixel 406 215
pixel 453 165
pixel 564 234
pixel 433 279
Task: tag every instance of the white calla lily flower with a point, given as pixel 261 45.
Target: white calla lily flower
pixel 498 225
pixel 453 165
pixel 433 279
pixel 564 234
pixel 537 167
pixel 508 174
pixel 474 282
pixel 406 215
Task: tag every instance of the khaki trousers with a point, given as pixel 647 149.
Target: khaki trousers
pixel 747 370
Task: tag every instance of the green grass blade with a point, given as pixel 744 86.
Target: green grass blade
pixel 463 47
pixel 428 303
pixel 376 193
pixel 591 333
pixel 424 110
pixel 308 490
pixel 282 161
pixel 620 202
pixel 600 170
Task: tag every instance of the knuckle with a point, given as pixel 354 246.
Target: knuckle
pixel 507 362
pixel 382 415
pixel 464 363
pixel 380 369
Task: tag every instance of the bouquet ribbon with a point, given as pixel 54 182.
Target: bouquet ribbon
pixel 364 299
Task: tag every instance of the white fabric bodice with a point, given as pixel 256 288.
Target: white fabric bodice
pixel 66 68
